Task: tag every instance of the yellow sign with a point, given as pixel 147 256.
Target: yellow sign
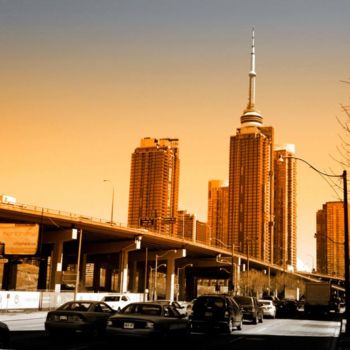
pixel 19 239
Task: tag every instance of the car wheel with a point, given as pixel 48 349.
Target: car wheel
pixel 239 327
pixel 230 326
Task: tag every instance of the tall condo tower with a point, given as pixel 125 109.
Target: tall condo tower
pixel 250 215
pixel 284 244
pixel 154 185
pixel 330 239
pixel 218 212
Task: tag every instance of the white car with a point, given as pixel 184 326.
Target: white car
pixel 116 301
pixel 268 307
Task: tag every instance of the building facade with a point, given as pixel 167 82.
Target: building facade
pixel 186 225
pixel 285 210
pixel 218 212
pixel 154 185
pixel 330 239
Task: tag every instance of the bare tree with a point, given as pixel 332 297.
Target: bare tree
pixel 344 148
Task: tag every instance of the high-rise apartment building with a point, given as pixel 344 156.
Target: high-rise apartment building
pixel 284 238
pixel 218 212
pixel 154 185
pixel 330 239
pixel 250 180
pixel 186 225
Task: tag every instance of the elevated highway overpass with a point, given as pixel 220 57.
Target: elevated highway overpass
pixel 128 253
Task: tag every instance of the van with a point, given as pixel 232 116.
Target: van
pixel 117 301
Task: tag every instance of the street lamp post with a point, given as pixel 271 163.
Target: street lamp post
pixel 155 273
pixel 232 260
pixel 346 235
pixel 112 199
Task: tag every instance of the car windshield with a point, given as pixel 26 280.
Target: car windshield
pixel 263 302
pixel 243 300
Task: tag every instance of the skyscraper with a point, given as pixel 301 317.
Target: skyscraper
pixel 218 212
pixel 250 180
pixel 154 185
pixel 284 239
pixel 330 239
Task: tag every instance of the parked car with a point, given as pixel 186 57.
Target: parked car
pixel 4 335
pixel 251 309
pixel 79 316
pixel 287 308
pixel 269 308
pixel 147 319
pixel 216 312
pixel 116 301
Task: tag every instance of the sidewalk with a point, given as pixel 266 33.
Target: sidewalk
pixel 24 320
pixel 21 315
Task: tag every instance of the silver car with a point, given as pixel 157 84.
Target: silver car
pixel 269 308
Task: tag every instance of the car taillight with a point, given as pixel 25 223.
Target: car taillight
pixel 74 318
pixel 149 325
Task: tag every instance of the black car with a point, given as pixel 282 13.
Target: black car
pixel 252 311
pixel 287 308
pixel 147 319
pixel 4 335
pixel 216 312
pixel 79 316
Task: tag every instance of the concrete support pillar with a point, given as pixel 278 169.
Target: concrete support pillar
pixel 83 272
pixel 56 267
pixel 96 278
pixel 57 238
pixel 134 272
pixel 237 276
pixel 42 278
pixel 9 276
pixel 108 283
pixel 170 256
pixel 181 282
pixel 123 263
pixel 170 279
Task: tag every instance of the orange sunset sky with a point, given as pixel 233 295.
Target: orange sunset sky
pixel 83 81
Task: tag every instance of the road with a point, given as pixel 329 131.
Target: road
pixel 281 334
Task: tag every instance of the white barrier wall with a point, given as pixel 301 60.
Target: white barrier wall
pixel 12 300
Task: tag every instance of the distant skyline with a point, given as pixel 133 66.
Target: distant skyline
pixel 83 81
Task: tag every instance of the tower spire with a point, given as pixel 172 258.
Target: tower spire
pixel 250 115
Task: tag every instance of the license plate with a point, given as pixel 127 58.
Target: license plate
pixel 208 314
pixel 63 318
pixel 128 325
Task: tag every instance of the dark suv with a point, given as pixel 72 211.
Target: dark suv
pixel 216 312
pixel 251 309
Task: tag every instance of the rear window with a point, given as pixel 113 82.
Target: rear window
pixel 243 300
pixel 143 309
pixel 211 302
pixel 79 306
